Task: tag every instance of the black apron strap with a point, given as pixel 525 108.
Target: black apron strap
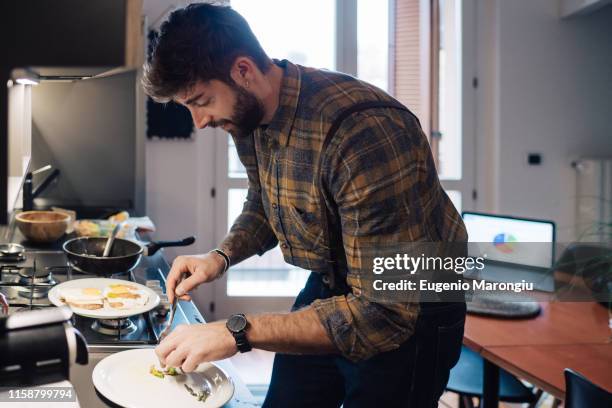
pixel 333 277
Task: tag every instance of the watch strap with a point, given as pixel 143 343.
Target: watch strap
pixel 226 258
pixel 242 343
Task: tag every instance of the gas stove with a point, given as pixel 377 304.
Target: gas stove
pixel 26 280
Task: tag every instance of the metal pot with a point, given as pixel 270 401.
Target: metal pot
pixel 12 252
pixel 85 254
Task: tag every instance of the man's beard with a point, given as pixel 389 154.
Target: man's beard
pixel 248 113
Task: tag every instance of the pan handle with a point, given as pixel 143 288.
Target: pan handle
pixel 153 247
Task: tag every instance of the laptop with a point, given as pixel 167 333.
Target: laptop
pixel 513 248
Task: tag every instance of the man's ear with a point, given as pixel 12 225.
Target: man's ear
pixel 243 71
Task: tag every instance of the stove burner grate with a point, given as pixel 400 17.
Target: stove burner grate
pixel 12 258
pixel 114 327
pixel 29 276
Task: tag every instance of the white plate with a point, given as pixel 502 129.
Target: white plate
pixel 124 379
pixel 106 312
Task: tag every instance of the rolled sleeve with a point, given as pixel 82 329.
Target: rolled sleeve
pixel 361 329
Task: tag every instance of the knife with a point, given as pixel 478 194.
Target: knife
pixel 168 328
pixel 165 332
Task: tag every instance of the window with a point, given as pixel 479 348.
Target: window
pixel 301 31
pixel 449 90
pixel 448 111
pixel 427 72
pixel 235 169
pixel 304 33
pixel 266 275
pixel 373 42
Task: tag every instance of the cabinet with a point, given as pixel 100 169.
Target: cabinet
pixel 571 8
pixel 134 34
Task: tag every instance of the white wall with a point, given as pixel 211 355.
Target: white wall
pixel 180 175
pixel 545 87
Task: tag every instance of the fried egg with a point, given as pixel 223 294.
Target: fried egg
pixel 122 287
pixel 84 298
pixel 119 298
pixel 92 292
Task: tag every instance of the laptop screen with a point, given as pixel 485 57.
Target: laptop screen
pixel 510 240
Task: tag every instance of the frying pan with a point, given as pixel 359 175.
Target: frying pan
pixel 85 253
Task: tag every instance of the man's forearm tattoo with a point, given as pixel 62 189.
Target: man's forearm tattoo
pixel 238 246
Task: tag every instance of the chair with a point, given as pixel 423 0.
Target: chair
pixel 581 393
pixel 584 272
pixel 466 380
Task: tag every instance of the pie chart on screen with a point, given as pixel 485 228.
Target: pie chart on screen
pixel 504 242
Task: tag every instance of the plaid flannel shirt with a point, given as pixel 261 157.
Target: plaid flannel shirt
pixel 381 175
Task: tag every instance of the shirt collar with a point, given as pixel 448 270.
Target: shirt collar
pixel 283 118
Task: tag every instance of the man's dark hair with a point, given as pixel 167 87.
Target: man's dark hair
pixel 199 42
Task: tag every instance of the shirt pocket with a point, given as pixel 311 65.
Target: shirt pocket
pixel 306 227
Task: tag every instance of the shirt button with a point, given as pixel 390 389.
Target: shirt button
pixel 284 246
pixel 274 205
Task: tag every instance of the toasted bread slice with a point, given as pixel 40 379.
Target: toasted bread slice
pixel 88 306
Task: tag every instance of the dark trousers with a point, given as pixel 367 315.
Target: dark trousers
pixel 414 375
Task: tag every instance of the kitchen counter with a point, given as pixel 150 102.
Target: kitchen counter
pixel 187 313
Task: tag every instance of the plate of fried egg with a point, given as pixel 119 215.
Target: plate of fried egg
pixel 102 298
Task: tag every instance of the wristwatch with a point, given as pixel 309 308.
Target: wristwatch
pixel 237 325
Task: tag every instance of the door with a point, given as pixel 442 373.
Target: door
pixel 453 98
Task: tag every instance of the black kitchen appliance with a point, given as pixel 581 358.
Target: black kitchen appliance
pixel 38 347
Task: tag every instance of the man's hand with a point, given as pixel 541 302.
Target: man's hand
pixel 189 345
pixel 199 268
pixel 295 332
pixel 3 304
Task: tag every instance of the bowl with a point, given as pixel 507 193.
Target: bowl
pixel 42 226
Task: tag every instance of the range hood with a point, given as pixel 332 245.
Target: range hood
pixel 63 74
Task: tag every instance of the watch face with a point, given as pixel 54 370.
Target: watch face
pixel 236 323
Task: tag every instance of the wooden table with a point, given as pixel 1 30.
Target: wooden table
pixel 565 335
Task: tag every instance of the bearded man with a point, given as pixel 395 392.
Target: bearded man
pixel 335 166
